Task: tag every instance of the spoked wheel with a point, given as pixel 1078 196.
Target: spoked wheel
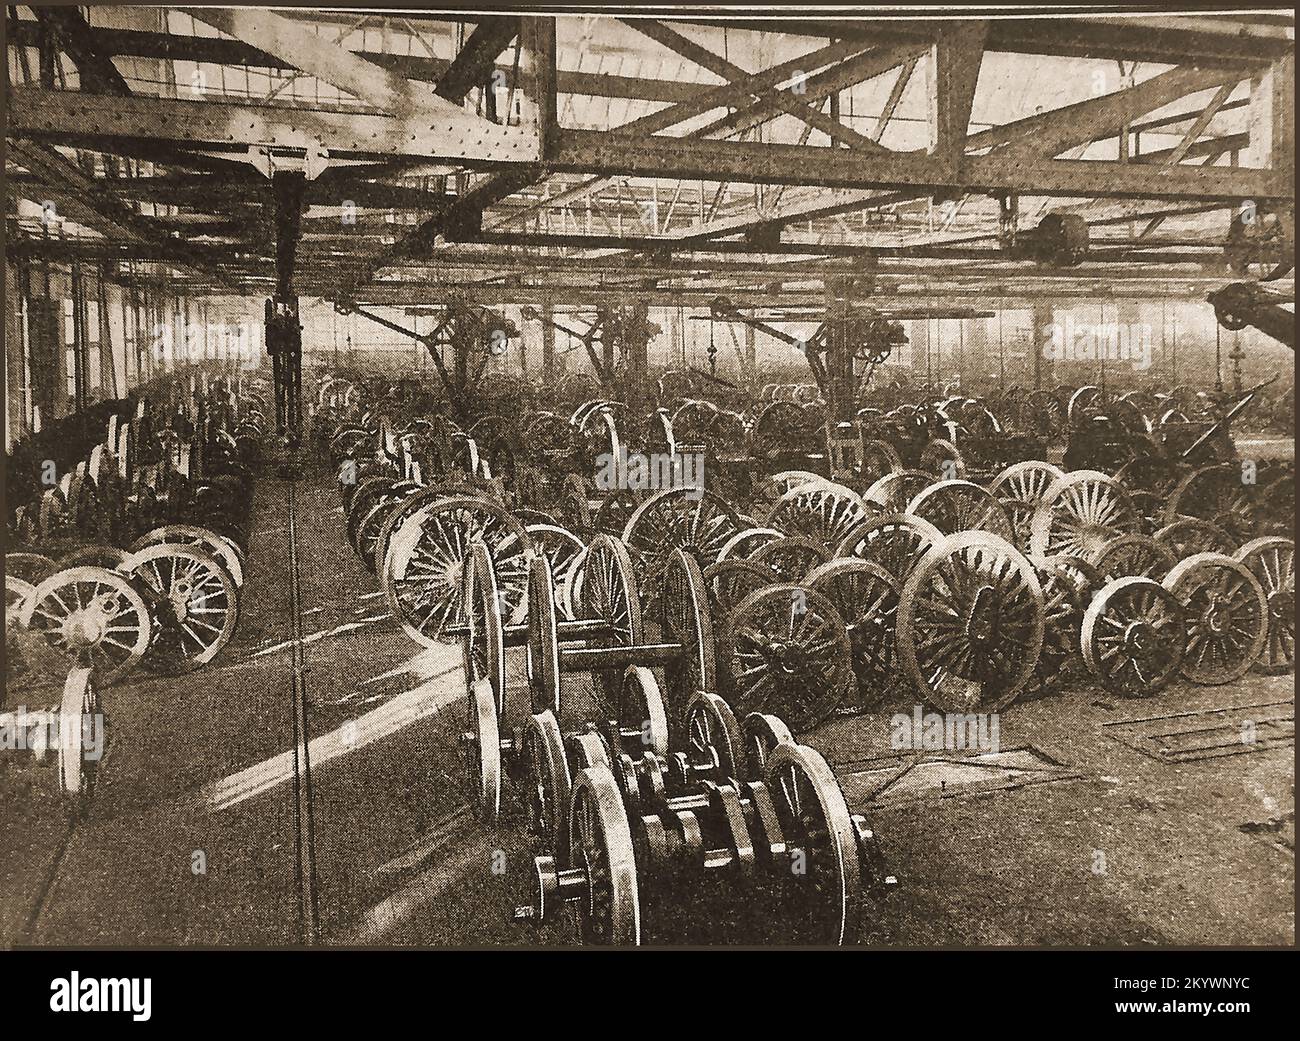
pixel 761 733
pixel 561 547
pixel 786 651
pixel 1080 513
pixel 895 490
pixel 220 546
pixel 1193 535
pixel 194 605
pixel 480 745
pixel 1134 637
pixel 641 708
pixel 896 541
pixel 483 646
pixel 94 616
pixel 1271 560
pixel 1216 494
pixel 424 570
pixel 610 594
pixel 546 782
pixel 823 511
pixel 1128 555
pixel 825 882
pixel 866 597
pixel 1020 488
pixel 698 522
pixel 1063 604
pixel 970 623
pixel 791 557
pixel 79 715
pixel 688 621
pixel 713 737
pixel 600 845
pixel 953 506
pixel 730 581
pixel 1227 617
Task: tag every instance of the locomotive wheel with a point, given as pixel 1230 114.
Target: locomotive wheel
pixel 610 593
pixel 1079 514
pixel 1141 555
pixel 641 707
pixel 680 518
pixel 1063 603
pixel 562 548
pixel 1217 494
pixel 1021 488
pixel 481 751
pixel 761 733
pixel 730 581
pixel 546 782
pixel 894 491
pixel 94 616
pixel 970 623
pixel 688 621
pixel 1271 560
pixel 221 547
pixel 365 496
pixel 600 843
pixel 424 569
pixel 713 737
pixel 953 506
pixel 743 544
pixel 1193 535
pixel 1227 617
pixel 194 605
pixel 866 597
pixel 76 769
pixel 791 557
pixel 483 646
pixel 786 650
pixel 370 526
pixel 543 638
pixel 822 511
pixel 815 820
pixel 896 541
pixel 1134 637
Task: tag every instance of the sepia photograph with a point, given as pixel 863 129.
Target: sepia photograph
pixel 683 477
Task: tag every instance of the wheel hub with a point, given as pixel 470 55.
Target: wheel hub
pixel 1217 617
pixel 1281 604
pixel 788 658
pixel 85 628
pixel 1139 639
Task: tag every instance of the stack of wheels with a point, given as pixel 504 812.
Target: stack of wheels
pixel 643 806
pixel 68 734
pixel 168 604
pixel 149 471
pixel 807 577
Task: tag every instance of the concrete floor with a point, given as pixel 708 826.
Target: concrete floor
pixel 1087 839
